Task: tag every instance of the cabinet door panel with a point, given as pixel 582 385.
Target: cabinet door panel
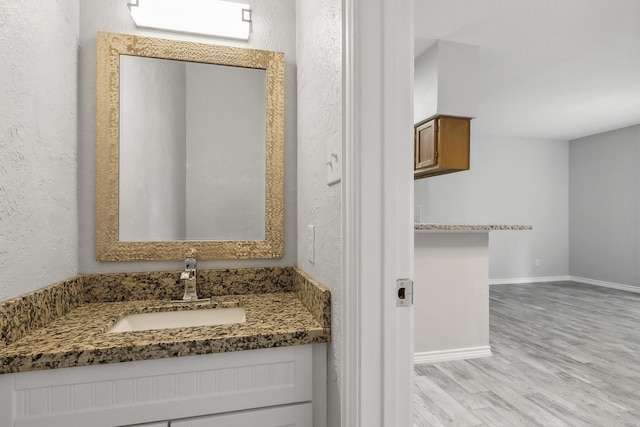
pixel 281 416
pixel 441 145
pixel 426 149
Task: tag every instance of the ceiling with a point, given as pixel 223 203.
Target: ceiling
pixel 556 69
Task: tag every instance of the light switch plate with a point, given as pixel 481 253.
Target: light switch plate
pixel 311 243
pixel 333 159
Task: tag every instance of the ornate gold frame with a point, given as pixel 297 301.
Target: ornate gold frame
pixel 108 246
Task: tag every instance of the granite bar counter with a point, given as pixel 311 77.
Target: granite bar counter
pixel 65 325
pixel 469 228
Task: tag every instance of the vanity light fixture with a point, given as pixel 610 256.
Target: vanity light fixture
pixel 208 17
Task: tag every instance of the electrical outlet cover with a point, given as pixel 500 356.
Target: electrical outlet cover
pixel 311 243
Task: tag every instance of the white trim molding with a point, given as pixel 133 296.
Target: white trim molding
pixel 545 279
pixel 522 280
pixel 604 284
pixel 350 307
pixel 454 354
pixel 377 212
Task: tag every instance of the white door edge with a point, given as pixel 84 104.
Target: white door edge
pixel 377 337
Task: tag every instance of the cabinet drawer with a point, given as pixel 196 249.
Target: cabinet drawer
pixel 282 416
pixel 160 424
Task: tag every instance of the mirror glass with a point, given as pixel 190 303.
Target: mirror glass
pixel 189 150
pixel 192 151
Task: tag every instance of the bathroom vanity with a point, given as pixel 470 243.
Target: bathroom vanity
pixel 259 357
pixel 170 183
pixel 71 371
pixel 271 387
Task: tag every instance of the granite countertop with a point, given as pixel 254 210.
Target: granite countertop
pixel 79 337
pixel 468 227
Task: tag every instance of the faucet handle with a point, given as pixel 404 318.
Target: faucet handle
pixel 190 261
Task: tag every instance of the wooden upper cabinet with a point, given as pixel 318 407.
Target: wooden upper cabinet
pixel 441 145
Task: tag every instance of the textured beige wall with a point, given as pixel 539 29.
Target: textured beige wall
pixel 319 57
pixel 38 142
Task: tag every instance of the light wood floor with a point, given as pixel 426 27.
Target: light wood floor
pixel 564 354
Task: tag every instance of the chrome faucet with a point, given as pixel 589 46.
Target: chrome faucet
pixel 189 278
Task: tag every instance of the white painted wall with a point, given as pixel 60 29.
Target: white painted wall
pixel 458 69
pixel 425 85
pixel 319 75
pixel 273 29
pixel 451 293
pixel 604 206
pixel 446 81
pixel 511 181
pixel 38 139
pixel 152 153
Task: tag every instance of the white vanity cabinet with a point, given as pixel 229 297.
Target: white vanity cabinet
pixel 267 387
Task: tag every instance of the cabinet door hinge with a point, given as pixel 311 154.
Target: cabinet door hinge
pixel 404 293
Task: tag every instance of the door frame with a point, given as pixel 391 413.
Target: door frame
pixel 377 216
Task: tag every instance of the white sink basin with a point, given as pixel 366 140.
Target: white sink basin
pixel 179 319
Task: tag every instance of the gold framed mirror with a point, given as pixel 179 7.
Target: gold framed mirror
pixel 252 200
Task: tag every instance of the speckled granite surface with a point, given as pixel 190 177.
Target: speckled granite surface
pixel 166 284
pixel 464 227
pixel 315 297
pixel 284 306
pixel 24 314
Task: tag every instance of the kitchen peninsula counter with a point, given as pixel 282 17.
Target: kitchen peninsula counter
pixel 469 227
pixel 451 295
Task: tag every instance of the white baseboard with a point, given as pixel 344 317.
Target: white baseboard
pixel 455 354
pixel 521 280
pixel 604 284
